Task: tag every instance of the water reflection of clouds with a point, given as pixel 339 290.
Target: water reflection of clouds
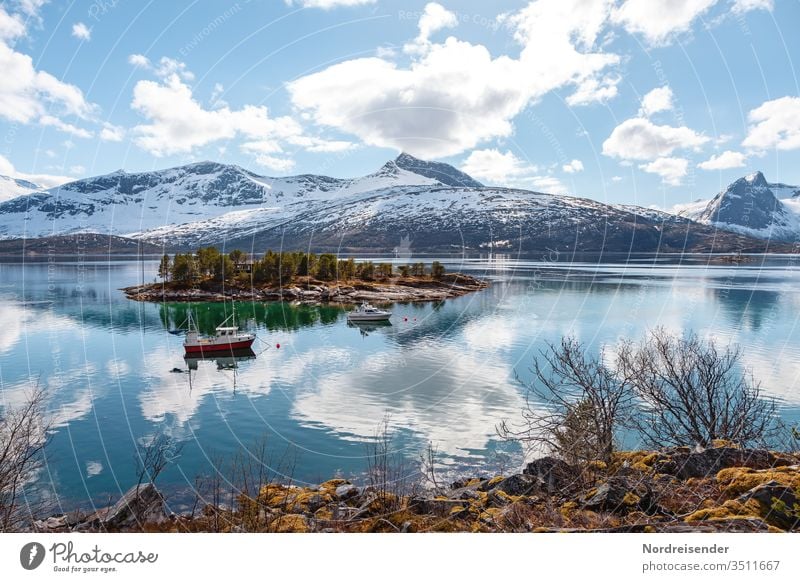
pixel 446 394
pixel 68 395
pixel 18 320
pixel 169 393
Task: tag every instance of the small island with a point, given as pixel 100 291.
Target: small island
pixel 211 275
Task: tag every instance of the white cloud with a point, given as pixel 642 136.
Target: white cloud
pixel 328 4
pixel 435 17
pixel 11 26
pixel 44 180
pixel 168 67
pixel 275 163
pixel 775 124
pixel 742 6
pixel 496 167
pixel 724 161
pixel 573 167
pixel 165 68
pixel 640 139
pixel 506 169
pixel 617 178
pixel 25 92
pixel 81 31
pixel 456 94
pixel 659 20
pixel 31 7
pixel 671 170
pixel 50 121
pixel 548 185
pixel 77 170
pixel 139 61
pixel 659 99
pixel 178 123
pixel 594 90
pixel 112 132
pixel 319 145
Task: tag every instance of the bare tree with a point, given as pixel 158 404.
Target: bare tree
pixel 23 438
pixel 693 392
pixel 154 456
pixel 575 405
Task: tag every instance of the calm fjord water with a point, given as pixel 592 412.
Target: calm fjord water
pixel 442 373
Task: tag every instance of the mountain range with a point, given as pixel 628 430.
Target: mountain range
pixel 425 206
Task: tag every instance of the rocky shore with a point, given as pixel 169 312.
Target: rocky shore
pixel 309 290
pixel 721 489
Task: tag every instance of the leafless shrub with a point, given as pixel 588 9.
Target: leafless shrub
pixel 693 392
pixel 388 475
pixel 584 402
pixel 154 456
pixel 24 434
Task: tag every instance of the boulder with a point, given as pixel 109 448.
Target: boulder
pixel 142 504
pixel 347 491
pixel 555 475
pixel 692 464
pixel 618 495
pixel 439 506
pixel 520 484
pixel 779 504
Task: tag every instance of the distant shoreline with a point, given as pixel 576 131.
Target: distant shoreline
pixel 309 290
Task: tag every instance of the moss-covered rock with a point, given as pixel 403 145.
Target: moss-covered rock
pixel 738 480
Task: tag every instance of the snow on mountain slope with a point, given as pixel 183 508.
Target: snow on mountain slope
pixel 133 204
pixel 14 187
pixel 751 206
pixel 431 204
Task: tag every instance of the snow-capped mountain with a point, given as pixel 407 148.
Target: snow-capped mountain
pixel 14 187
pixel 129 204
pixel 430 204
pixel 753 207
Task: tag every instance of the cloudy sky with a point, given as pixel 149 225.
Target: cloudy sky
pixel 654 102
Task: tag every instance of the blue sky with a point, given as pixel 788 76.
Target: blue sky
pixel 653 102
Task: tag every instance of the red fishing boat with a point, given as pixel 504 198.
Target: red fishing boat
pixel 226 339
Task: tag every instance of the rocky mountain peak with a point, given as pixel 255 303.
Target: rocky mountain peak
pixel 748 202
pixel 444 173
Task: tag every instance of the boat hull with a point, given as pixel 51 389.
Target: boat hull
pixel 218 347
pixel 369 317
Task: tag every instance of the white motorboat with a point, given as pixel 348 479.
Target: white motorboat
pixel 367 312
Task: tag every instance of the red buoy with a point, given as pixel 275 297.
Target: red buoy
pixel 278 346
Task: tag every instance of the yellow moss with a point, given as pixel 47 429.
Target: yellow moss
pixel 457 509
pixel 495 480
pixel 738 480
pixel 474 481
pixel 720 443
pixel 631 499
pixel 331 485
pixel 731 509
pixel 291 523
pixel 597 465
pixel 568 509
pixel 591 493
pixel 649 529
